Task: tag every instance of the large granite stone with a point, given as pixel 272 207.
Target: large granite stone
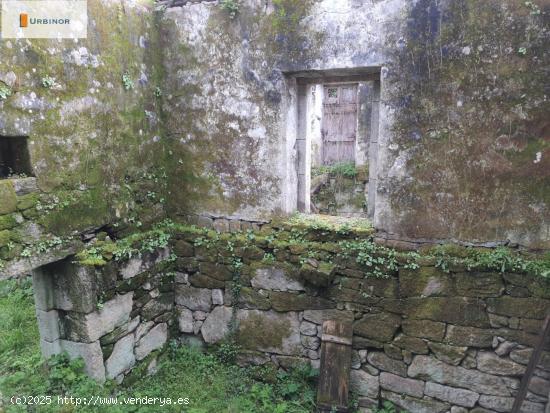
pixel 193 298
pixel 90 327
pixel 469 336
pixel 90 353
pixel 383 362
pixel 491 363
pixel 269 331
pixel 414 405
pixel 461 397
pixel 122 358
pixel 403 385
pixel 380 327
pixel 364 384
pixel 528 307
pixel 216 325
pixel 274 279
pixel 431 330
pixel 153 340
pixel 455 310
pixel 430 369
pixel 286 301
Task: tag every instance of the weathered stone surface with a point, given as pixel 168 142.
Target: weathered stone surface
pixel 216 325
pixel 48 324
pixel 430 369
pixel 200 280
pixel 122 358
pixel 432 330
pixel 137 265
pixel 24 186
pixel 504 404
pixel 455 310
pixel 449 354
pixel 185 320
pixel 375 287
pixel 479 284
pixel 424 282
pixel 415 405
pixel 253 299
pixel 90 327
pixel 452 395
pixel 539 386
pixel 308 329
pixel 349 295
pixel 183 249
pixel 393 351
pixel 217 297
pixel 120 332
pixel 283 328
pixel 74 288
pixel 90 353
pixel 143 329
pixel 216 271
pixel 364 384
pixel 519 307
pixel 493 364
pixel 309 342
pixel 157 306
pixel 193 298
pixel 398 384
pixel 383 362
pixel 379 327
pixel 153 340
pixel 284 301
pixel 317 273
pixel 469 336
pixel 412 344
pixel 274 279
pixel 8 200
pixel 319 316
pixel 364 343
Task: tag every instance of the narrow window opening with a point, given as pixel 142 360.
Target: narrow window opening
pixel 14 157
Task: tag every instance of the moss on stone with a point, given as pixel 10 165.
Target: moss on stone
pixel 8 200
pixel 251 332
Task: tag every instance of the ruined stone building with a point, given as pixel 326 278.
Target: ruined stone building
pixel 430 118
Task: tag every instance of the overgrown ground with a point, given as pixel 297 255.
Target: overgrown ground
pixel 210 380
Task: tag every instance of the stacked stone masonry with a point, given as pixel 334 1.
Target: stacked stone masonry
pixel 426 340
pixel 112 316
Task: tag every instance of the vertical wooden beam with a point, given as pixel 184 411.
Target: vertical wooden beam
pixel 535 358
pixel 333 390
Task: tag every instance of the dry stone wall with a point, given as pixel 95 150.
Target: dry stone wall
pixel 112 316
pixel 425 339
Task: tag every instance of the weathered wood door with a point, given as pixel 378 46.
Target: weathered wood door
pixel 339 124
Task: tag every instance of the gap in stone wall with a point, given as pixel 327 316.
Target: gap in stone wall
pixel 14 156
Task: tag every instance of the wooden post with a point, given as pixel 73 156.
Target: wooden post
pixel 332 393
pixel 533 361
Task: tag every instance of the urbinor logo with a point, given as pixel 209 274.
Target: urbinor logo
pixel 43 19
pixel 23 20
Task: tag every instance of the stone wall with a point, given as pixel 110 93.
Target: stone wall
pixel 428 337
pixel 458 156
pixel 425 339
pixel 113 316
pixel 95 143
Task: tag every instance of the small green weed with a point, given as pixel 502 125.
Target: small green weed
pixel 48 82
pixel 231 7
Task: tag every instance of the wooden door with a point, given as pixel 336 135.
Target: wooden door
pixel 339 124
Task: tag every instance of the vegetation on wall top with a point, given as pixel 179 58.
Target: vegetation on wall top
pixel 319 241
